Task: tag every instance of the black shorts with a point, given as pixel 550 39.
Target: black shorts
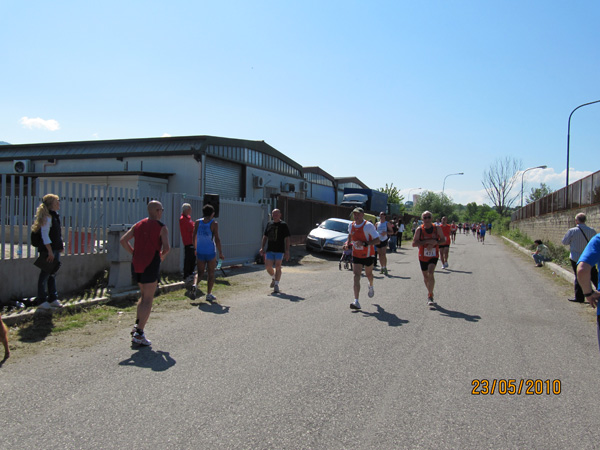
pixel 364 261
pixel 150 274
pixel 444 246
pixel 382 244
pixel 425 264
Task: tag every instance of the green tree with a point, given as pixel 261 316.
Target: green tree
pixel 537 193
pixel 436 203
pixel 472 212
pixel 393 194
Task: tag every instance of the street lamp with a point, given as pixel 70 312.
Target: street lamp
pixel 444 185
pixel 569 136
pixel 523 175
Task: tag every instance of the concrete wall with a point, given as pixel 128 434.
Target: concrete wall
pixel 552 227
pixel 19 276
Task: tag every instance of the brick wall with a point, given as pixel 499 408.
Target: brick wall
pixel 552 227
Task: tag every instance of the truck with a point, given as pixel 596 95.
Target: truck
pixel 370 200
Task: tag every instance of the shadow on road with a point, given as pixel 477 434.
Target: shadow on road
pixel 383 316
pixel 214 308
pixel 283 295
pixel 395 276
pixel 457 314
pixel 147 358
pixel 38 329
pixel 448 271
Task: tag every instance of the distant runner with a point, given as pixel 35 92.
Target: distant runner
pixel 362 235
pixel 427 238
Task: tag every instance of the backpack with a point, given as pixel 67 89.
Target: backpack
pixel 36 238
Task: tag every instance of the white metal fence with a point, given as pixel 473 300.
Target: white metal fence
pixel 88 210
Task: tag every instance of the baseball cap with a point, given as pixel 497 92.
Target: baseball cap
pixel 358 210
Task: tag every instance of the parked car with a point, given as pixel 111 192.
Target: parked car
pixel 329 236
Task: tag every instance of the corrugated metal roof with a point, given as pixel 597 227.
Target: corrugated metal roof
pixel 180 145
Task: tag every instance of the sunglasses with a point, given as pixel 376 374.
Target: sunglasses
pixel 426 217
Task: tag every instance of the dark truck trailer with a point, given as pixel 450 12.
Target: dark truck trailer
pixel 370 200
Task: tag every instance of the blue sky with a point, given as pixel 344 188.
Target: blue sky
pixel 389 91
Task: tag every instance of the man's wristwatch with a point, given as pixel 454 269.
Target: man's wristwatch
pixel 589 294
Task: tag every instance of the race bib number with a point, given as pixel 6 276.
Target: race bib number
pixel 358 245
pixel 430 252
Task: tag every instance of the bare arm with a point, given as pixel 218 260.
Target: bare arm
pixel 262 245
pixel 286 255
pixel 584 278
pixel 416 238
pixel 166 247
pixel 124 241
pixel 215 231
pixel 195 236
pixel 441 238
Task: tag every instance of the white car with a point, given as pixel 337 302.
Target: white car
pixel 329 236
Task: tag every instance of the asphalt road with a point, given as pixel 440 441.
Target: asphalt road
pixel 299 370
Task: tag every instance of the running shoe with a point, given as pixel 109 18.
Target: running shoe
pixel 272 283
pixel 371 292
pixel 52 305
pixel 384 271
pixel 211 298
pixel 355 305
pixel 276 289
pixel 140 339
pixel 430 301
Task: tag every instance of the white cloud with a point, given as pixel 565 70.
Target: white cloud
pixel 50 125
pixel 553 179
pixel 95 136
pixel 166 135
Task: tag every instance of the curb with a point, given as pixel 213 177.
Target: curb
pixel 28 314
pixel 558 270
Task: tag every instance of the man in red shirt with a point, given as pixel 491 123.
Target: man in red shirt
pixel 186 227
pixel 151 240
pixel 445 248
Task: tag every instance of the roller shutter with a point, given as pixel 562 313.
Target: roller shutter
pixel 223 178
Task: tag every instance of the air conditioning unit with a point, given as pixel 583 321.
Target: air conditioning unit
pixel 22 166
pixel 259 182
pixel 304 186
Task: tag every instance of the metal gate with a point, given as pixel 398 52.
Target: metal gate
pixel 223 178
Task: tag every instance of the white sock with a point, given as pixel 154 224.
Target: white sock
pixel 276 283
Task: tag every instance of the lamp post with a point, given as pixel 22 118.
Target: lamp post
pixel 444 185
pixel 523 175
pixel 569 136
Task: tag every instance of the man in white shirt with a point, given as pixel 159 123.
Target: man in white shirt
pixel 577 238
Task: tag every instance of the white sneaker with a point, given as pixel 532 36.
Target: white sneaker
pixel 56 304
pixel 276 289
pixel 371 292
pixel 354 305
pixel 44 305
pixel 140 339
pixel 211 298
